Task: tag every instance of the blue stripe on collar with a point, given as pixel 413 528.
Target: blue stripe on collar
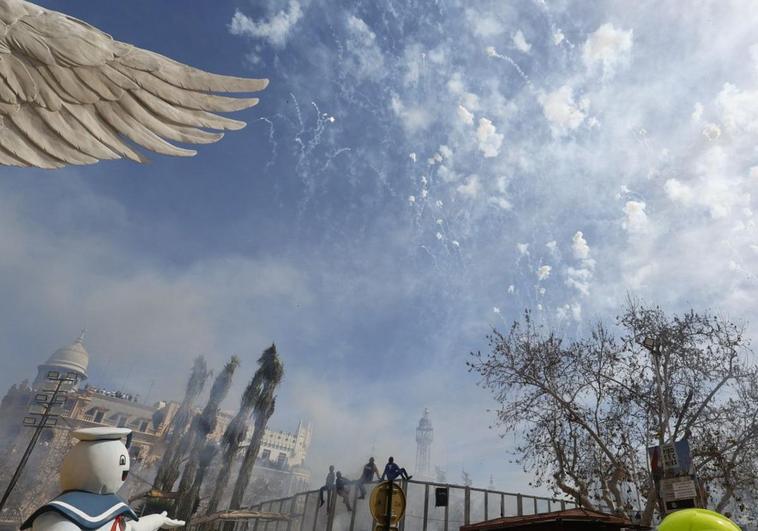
pixel 85 509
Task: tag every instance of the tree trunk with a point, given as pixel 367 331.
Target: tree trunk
pixel 650 503
pixel 248 462
pixel 177 436
pixel 188 502
pixel 227 460
pixel 189 473
pixel 170 466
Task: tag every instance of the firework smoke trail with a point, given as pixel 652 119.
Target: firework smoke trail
pixel 299 116
pixel 306 148
pixel 272 141
pixel 492 52
pixel 321 121
pixel 334 155
pixel 554 29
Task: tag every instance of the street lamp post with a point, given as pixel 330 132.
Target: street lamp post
pixel 654 347
pixel 47 399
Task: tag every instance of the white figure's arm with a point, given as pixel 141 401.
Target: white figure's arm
pixel 151 522
pixel 53 521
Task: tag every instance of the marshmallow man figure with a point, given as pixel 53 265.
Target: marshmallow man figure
pixel 93 470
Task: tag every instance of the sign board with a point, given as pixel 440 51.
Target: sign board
pixel 380 498
pixel 671 460
pixel 440 497
pixel 679 493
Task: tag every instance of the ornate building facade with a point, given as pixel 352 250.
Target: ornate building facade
pixel 280 469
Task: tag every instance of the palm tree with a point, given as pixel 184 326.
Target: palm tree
pixel 202 426
pixel 168 470
pixel 189 502
pixel 269 374
pixel 234 435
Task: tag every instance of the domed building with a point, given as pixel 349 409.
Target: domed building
pixel 66 361
pixel 281 464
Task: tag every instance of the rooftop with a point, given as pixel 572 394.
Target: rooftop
pixel 71 358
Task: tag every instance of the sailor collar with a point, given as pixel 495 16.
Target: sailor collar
pixel 85 509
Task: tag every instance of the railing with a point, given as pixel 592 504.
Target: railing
pixel 10 517
pixel 465 505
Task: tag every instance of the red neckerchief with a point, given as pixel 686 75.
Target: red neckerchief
pixel 119 524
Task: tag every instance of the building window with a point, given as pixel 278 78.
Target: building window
pixel 99 416
pixel 119 419
pixel 143 426
pixel 266 454
pixel 281 459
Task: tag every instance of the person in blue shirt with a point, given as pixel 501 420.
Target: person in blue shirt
pixel 392 471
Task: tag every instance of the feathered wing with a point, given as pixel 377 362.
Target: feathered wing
pixel 70 94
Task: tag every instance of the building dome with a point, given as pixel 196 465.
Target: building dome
pixel 73 358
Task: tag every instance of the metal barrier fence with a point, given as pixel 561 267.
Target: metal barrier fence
pixel 465 505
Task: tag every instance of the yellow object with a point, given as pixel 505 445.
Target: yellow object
pixel 697 520
pixel 379 499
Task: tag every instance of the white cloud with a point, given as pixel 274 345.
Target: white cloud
pixel 697 112
pixel 471 188
pixel 489 139
pixel 276 30
pixel 579 279
pixel 573 310
pixel 711 131
pixel 635 217
pixel 455 84
pixel 500 202
pixel 519 41
pixel 558 37
pixel 543 272
pixel 413 118
pixel 579 246
pixel 713 187
pixel 366 58
pixel 465 116
pixel 678 191
pixel 483 24
pixel 447 174
pixel 607 47
pixel 738 108
pixel 561 110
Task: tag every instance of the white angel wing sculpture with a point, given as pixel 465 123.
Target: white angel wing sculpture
pixel 70 94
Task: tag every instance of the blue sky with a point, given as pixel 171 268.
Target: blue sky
pixel 416 173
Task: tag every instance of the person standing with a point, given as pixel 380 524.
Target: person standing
pixel 342 485
pixel 367 476
pixel 328 487
pixel 392 471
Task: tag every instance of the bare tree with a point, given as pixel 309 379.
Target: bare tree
pixel 271 372
pixel 176 440
pixel 587 409
pixel 202 426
